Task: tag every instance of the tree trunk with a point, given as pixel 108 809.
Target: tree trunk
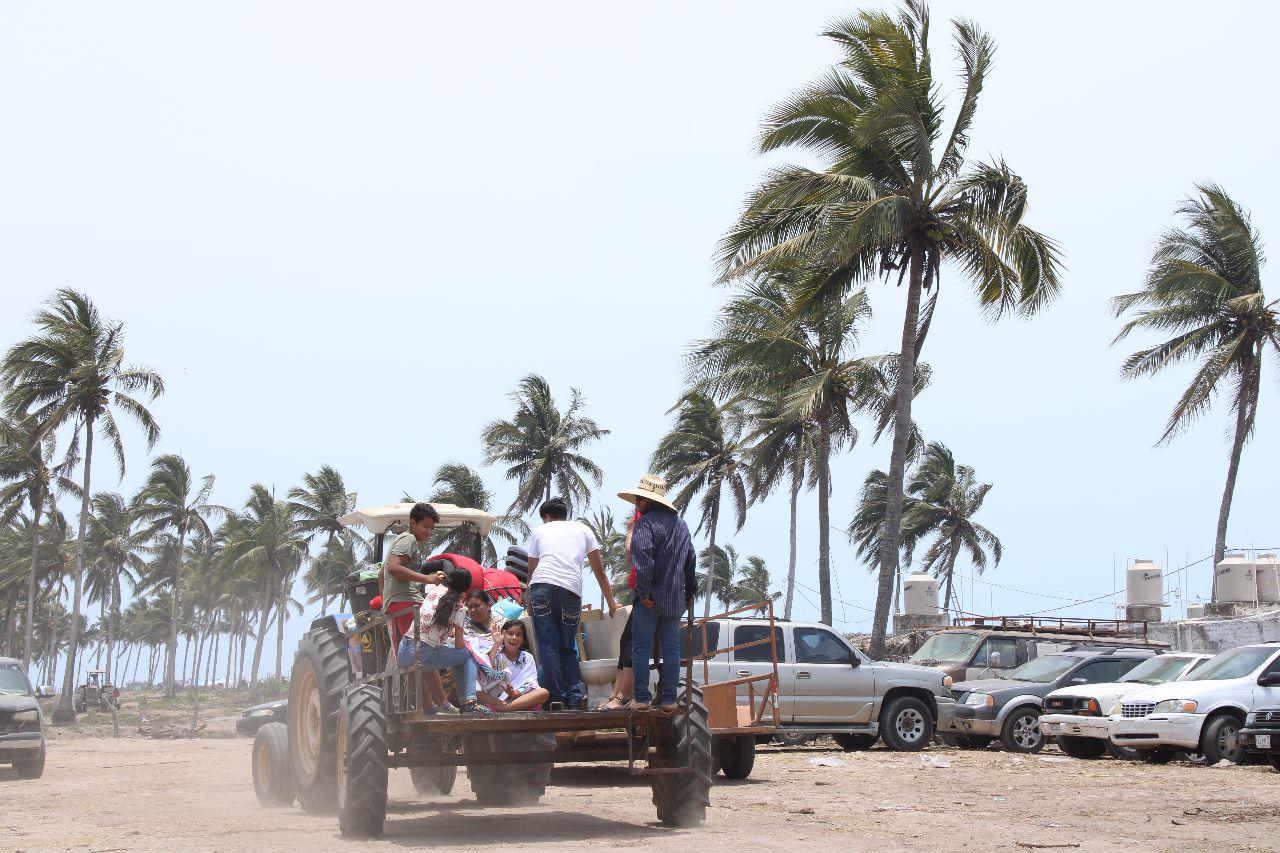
pixel 898 459
pixel 262 632
pixel 951 573
pixel 282 613
pixel 232 631
pixel 36 507
pixel 711 563
pixel 1244 423
pixel 170 689
pixel 791 553
pixel 66 712
pixel 10 623
pixel 824 515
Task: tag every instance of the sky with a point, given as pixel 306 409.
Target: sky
pixel 343 233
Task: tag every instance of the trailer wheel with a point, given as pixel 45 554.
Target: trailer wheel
pixel 361 764
pixel 514 784
pixel 1082 747
pixel 737 756
pixel 272 779
pixel 315 699
pixel 682 798
pixel 434 781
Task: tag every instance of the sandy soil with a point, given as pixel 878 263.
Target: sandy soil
pixel 136 794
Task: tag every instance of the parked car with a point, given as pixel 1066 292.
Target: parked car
pixel 1008 708
pixel 1202 712
pixel 1077 715
pixel 1261 734
pixel 21 721
pixel 826 686
pixel 980 651
pixel 259 715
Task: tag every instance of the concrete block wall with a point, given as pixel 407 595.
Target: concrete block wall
pixel 1217 635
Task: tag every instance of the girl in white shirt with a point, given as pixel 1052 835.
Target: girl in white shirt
pixel 521 691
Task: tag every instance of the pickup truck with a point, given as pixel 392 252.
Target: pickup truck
pixel 21 722
pixel 826 686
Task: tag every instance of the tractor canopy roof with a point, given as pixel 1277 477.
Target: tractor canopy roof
pixel 377 519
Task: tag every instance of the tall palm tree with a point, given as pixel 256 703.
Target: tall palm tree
pixel 718 576
pixel 267 542
pixel 172 501
pixel 542 447
pixel 318 503
pixel 945 498
pixel 461 485
pixel 1205 287
pixel 613 549
pixel 704 453
pixel 72 373
pixel 29 477
pixel 772 339
pixel 752 586
pixel 116 544
pixel 895 200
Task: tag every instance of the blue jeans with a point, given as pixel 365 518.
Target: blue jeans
pixel 556 613
pixel 643 623
pixel 442 657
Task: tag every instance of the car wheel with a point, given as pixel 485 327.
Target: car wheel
pixel 1083 747
pixel 906 724
pixel 853 743
pixel 1123 753
pixel 1021 732
pixel 1159 755
pixel 967 741
pixel 32 769
pixel 1220 741
pixel 1273 758
pixel 792 738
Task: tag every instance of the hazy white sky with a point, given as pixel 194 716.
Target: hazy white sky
pixel 304 210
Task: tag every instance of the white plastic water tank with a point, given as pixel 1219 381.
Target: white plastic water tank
pixel 920 595
pixel 1268 573
pixel 1144 584
pixel 1236 580
pixel 1195 611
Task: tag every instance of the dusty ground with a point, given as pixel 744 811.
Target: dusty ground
pixel 136 794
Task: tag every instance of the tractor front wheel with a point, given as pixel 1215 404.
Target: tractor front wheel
pixel 315 698
pixel 272 780
pixel 361 764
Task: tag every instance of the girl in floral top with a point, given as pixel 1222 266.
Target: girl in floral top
pixel 439 644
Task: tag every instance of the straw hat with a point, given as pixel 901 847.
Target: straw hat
pixel 652 487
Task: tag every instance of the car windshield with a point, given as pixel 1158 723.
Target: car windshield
pixel 1043 669
pixel 12 681
pixel 1156 670
pixel 1236 663
pixel 949 646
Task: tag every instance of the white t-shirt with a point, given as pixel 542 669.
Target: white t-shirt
pixel 561 548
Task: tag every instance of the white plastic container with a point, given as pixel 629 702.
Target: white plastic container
pixel 1268 573
pixel 920 595
pixel 1144 584
pixel 1236 580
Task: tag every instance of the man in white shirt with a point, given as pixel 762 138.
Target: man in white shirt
pixel 557 551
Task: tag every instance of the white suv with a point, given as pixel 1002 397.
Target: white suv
pixel 1077 715
pixel 1202 712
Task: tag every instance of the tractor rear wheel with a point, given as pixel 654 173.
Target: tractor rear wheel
pixel 315 702
pixel 682 798
pixel 272 779
pixel 514 784
pixel 361 764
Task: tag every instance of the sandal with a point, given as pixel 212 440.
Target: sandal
pixel 635 705
pixel 669 708
pixel 613 703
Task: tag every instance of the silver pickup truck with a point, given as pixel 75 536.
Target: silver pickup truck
pixel 826 686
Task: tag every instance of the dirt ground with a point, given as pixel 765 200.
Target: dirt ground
pixel 137 794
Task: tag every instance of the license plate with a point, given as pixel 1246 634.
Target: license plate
pixel 1262 741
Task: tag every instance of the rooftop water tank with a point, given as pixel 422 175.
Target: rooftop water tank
pixel 1195 611
pixel 920 595
pixel 1144 584
pixel 1235 580
pixel 1268 573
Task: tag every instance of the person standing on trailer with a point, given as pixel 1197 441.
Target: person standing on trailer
pixel 665 563
pixel 557 551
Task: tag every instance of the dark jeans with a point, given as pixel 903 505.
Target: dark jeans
pixel 668 627
pixel 556 613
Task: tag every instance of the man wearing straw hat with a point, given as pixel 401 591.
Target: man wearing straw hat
pixel 663 556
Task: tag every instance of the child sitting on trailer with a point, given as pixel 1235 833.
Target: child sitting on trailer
pixel 440 643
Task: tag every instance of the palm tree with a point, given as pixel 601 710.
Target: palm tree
pixel 542 447
pixel 718 578
pixel 945 498
pixel 267 542
pixel 613 549
pixel 885 205
pixel 29 477
pixel 318 504
pixel 773 340
pixel 462 486
pixel 116 545
pixel 705 454
pixel 73 373
pixel 752 586
pixel 171 501
pixel 1205 287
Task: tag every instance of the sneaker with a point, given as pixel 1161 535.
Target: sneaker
pixel 446 708
pixel 431 710
pixel 473 707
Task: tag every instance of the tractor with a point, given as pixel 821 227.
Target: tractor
pixel 97 692
pixel 353 715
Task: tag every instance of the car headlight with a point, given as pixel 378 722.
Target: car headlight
pixel 27 721
pixel 1115 709
pixel 261 712
pixel 979 699
pixel 1090 708
pixel 1250 718
pixel 1176 706
pixel 947 681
